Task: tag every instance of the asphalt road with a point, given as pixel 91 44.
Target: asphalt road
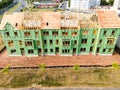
pixel 69 88
pixel 23 4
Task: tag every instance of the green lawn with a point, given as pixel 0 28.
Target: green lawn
pixel 1 43
pixel 54 77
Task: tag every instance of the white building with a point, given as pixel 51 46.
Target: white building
pixel 116 6
pixel 83 4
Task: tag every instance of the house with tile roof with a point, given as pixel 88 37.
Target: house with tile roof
pixel 60 33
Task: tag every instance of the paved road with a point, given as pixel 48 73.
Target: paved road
pixel 23 4
pixel 72 88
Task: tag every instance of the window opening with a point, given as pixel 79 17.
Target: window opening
pixel 20 42
pixel 85 32
pixel 7 34
pixel 83 49
pixel 66 43
pixel 55 33
pixel 51 42
pixel 104 32
pixel 15 33
pixel 84 41
pixel 110 41
pixel 74 33
pixel 30 51
pixel 57 42
pixel 65 33
pixel 28 43
pixel 13 51
pixel 10 43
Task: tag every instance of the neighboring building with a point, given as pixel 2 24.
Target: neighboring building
pixel 118 45
pixel 116 6
pixel 45 4
pixel 83 4
pixel 66 33
pixel 63 5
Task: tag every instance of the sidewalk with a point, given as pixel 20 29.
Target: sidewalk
pixel 23 61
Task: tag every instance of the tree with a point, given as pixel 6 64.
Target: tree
pixel 103 2
pixel 69 3
pixel 115 65
pixel 5 3
pixel 111 2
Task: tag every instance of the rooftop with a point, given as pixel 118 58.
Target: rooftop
pixel 32 20
pixel 61 20
pixel 108 19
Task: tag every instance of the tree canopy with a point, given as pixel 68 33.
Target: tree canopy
pixel 4 3
pixel 104 2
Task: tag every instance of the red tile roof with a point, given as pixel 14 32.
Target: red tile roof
pixel 108 19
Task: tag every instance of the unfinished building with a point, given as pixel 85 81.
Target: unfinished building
pixel 55 33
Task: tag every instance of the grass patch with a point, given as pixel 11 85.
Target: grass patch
pixel 40 9
pixel 1 43
pixel 1 16
pixel 45 10
pixel 54 77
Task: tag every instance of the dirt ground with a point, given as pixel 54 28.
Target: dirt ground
pixel 1 43
pixel 23 61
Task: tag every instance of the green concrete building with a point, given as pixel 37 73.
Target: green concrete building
pixel 54 33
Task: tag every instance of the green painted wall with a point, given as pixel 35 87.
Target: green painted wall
pixel 63 42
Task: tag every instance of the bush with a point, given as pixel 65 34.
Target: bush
pixel 115 65
pixel 42 66
pixel 76 67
